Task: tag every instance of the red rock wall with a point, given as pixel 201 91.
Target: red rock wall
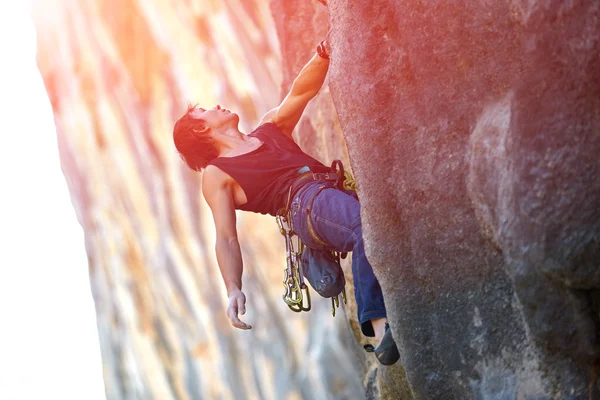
pixel 473 132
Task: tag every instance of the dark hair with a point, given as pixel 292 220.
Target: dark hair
pixel 195 147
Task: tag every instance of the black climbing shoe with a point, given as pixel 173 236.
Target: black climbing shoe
pixel 387 351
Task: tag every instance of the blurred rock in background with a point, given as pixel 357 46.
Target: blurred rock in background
pixel 119 73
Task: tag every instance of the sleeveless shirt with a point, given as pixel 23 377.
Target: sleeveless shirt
pixel 266 173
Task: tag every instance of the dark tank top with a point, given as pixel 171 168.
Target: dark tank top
pixel 266 173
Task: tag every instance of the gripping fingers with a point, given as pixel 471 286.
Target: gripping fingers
pixel 238 323
pixel 235 306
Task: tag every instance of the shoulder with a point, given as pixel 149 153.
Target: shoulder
pixel 214 180
pixel 214 175
pixel 218 194
pixel 264 127
pixel 271 119
pixel 269 127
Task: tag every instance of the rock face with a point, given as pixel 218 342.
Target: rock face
pixel 473 130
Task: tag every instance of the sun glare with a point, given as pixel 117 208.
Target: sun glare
pixel 49 347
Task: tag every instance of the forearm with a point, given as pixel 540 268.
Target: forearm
pixel 229 258
pixel 311 77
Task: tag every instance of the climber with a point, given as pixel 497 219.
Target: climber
pixel 255 172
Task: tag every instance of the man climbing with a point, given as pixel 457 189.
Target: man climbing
pixel 256 172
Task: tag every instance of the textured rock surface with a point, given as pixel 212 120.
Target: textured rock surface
pixel 473 129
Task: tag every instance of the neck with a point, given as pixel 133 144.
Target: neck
pixel 229 139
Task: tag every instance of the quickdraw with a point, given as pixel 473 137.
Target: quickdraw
pixel 296 294
pixel 335 301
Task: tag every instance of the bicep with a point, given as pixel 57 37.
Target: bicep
pixel 219 197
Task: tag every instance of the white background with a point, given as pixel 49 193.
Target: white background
pixel 48 337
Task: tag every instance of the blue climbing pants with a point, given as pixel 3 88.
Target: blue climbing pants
pixel 335 217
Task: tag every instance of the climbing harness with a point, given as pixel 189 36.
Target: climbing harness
pixel 296 293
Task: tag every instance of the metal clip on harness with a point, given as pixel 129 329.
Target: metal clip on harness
pixel 296 294
pixel 335 301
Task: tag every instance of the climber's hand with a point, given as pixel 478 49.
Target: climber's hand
pixel 237 305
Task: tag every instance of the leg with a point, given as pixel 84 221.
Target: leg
pixel 336 220
pixel 378 325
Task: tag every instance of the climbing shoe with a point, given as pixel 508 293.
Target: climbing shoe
pixel 387 352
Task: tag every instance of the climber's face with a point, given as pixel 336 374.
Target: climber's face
pixel 216 117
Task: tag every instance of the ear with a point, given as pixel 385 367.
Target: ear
pixel 201 128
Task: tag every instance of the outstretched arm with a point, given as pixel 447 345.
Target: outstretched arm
pixel 219 196
pixel 305 87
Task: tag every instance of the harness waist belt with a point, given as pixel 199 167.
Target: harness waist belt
pixel 306 177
